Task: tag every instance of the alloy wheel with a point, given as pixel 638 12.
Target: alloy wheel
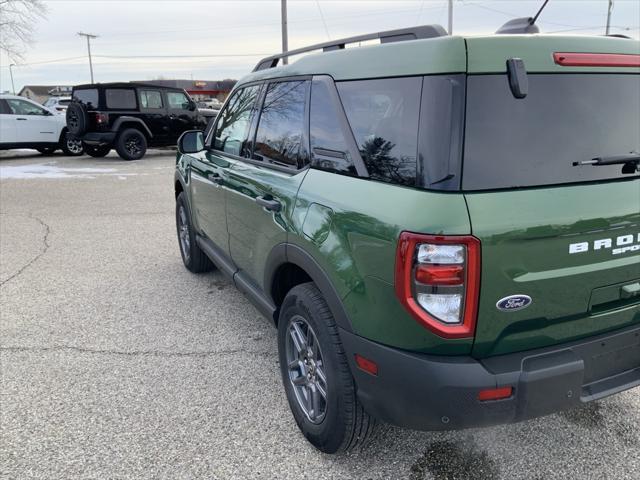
pixel 306 369
pixel 183 232
pixel 74 146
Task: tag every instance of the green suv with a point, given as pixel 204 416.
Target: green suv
pixel 444 230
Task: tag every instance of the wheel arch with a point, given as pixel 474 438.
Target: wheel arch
pixel 131 122
pixel 289 265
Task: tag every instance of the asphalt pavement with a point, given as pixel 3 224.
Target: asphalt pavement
pixel 116 362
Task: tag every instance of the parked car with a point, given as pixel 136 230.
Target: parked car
pixel 27 124
pixel 58 104
pixel 213 104
pixel 445 230
pixel 130 117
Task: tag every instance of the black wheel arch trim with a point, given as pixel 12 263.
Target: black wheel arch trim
pixel 290 253
pixel 126 119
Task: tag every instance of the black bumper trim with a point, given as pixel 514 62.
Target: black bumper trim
pixel 428 392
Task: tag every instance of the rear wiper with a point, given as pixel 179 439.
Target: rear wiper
pixel 630 161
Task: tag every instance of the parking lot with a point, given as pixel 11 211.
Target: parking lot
pixel 116 362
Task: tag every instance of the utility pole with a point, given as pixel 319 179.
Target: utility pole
pixel 285 40
pixel 89 37
pixel 450 17
pixel 13 87
pixel 609 17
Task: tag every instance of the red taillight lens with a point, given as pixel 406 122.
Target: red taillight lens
pixel 101 118
pixel 596 59
pixel 437 279
pixel 495 394
pixel 440 274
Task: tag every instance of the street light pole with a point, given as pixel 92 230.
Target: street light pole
pixel 285 40
pixel 89 37
pixel 450 17
pixel 13 87
pixel 609 17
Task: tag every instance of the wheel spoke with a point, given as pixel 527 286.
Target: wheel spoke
pixel 300 381
pixel 315 402
pixel 320 373
pixel 295 364
pixel 298 337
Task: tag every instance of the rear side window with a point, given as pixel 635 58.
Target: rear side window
pixel 121 98
pixel 177 100
pixel 232 127
pixel 281 126
pixel 150 99
pixel 384 116
pixel 87 96
pixel 534 141
pixel 329 149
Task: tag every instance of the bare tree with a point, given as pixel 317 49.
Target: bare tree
pixel 17 22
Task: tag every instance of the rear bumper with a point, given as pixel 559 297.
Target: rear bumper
pixel 427 392
pixel 99 139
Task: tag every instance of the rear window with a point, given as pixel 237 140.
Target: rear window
pixel 121 98
pixel 384 115
pixel 87 96
pixel 564 119
pixel 64 102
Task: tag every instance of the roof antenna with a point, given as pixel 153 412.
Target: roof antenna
pixel 522 25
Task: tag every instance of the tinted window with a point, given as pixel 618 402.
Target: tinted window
pixel 177 100
pixel 233 124
pixel 329 150
pixel 120 98
pixel 150 99
pixel 383 115
pixel 4 107
pixel 22 107
pixel 535 140
pixel 279 135
pixel 87 96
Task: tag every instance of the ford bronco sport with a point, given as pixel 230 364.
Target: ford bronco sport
pixel 445 230
pixel 130 117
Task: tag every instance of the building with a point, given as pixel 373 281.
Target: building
pixel 41 93
pixel 199 89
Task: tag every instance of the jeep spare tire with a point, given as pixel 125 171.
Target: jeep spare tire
pixel 77 118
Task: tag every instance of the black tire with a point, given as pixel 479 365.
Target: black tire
pixel 46 150
pixel 97 152
pixel 71 146
pixel 344 424
pixel 193 257
pixel 131 144
pixel 77 118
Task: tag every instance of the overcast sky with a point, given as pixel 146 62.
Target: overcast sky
pixel 212 39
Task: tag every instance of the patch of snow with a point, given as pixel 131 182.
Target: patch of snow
pixel 50 171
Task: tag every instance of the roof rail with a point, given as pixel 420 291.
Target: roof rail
pixel 400 35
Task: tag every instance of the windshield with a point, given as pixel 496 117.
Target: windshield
pixel 535 141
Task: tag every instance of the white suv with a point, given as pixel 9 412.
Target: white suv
pixel 58 104
pixel 27 124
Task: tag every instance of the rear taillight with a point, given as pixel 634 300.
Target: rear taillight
pixel 101 118
pixel 437 279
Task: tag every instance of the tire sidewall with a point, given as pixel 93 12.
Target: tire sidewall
pixel 328 435
pixel 96 152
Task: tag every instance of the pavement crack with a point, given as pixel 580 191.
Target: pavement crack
pixel 45 247
pixel 131 353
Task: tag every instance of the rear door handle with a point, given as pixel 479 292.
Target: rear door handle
pixel 20 118
pixel 269 203
pixel 215 177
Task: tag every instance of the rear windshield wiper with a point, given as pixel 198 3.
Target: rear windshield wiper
pixel 630 161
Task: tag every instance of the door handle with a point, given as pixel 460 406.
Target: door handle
pixel 215 177
pixel 269 203
pixel 20 118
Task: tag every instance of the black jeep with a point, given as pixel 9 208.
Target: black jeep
pixel 130 117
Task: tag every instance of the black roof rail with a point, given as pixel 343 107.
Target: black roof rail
pixel 400 35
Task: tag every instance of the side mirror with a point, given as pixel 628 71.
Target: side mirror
pixel 192 105
pixel 191 141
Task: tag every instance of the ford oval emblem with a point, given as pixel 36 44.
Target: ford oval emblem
pixel 513 303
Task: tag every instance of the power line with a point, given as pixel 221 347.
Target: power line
pixel 323 20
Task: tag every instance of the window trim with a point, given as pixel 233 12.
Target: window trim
pixel 352 145
pixel 305 141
